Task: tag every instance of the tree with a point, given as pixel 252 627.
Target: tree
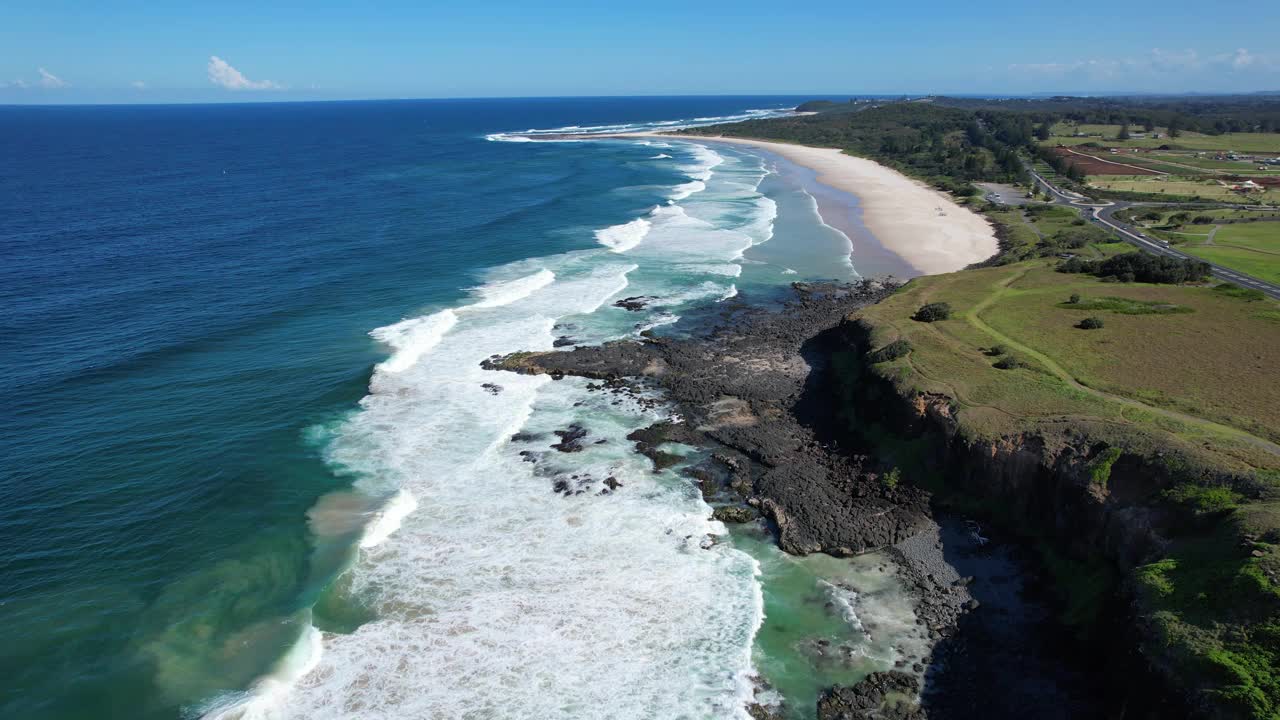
pixel 1179 218
pixel 933 312
pixel 1175 127
pixel 1149 125
pixel 1124 132
pixel 1042 132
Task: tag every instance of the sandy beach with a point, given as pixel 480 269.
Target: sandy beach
pixel 923 226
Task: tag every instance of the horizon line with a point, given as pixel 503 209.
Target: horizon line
pixel 809 96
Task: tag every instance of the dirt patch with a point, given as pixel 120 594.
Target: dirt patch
pixel 1097 165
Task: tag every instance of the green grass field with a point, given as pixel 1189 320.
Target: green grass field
pixel 1063 134
pixel 1209 363
pixel 1252 248
pixel 1181 373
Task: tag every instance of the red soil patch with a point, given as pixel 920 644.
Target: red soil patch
pixel 1093 165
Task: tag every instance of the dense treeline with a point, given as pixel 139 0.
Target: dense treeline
pixel 949 146
pixel 1140 267
pixel 1059 165
pixel 1211 115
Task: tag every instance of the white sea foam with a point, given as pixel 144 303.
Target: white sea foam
pixel 413 338
pixel 269 696
pixel 498 294
pixel 724 269
pixel 684 190
pixel 661 156
pixel 677 124
pixel 387 519
pixel 497 597
pixel 705 159
pixel 847 257
pixel 621 238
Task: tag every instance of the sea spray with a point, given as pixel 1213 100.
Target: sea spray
pixel 621 238
pixel 413 338
pixel 504 579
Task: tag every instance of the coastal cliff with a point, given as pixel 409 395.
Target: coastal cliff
pixel 1109 573
pixel 1105 524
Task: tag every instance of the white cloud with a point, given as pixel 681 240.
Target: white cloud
pixel 1156 63
pixel 49 80
pixel 223 75
pixel 1242 59
pixel 138 84
pixel 19 83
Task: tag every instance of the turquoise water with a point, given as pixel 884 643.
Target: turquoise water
pixel 251 468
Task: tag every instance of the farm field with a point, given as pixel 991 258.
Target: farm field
pixel 1063 134
pixel 1182 187
pixel 1092 164
pixel 1101 162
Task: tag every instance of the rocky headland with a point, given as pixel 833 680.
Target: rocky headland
pixel 763 393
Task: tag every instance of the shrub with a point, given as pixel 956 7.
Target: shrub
pixel 1074 299
pixel 932 312
pixel 1091 323
pixel 1202 220
pixel 1243 293
pixel 1203 500
pixel 891 478
pixel 892 351
pixel 997 350
pixel 1077 265
pixel 1100 467
pixel 1009 362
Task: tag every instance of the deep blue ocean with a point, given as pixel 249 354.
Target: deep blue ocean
pixel 248 463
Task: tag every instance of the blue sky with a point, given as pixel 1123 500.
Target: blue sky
pixel 56 51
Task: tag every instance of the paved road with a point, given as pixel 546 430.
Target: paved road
pixel 1102 213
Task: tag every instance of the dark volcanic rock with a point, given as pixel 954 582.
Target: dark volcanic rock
pixel 887 695
pixel 563 341
pixel 635 303
pixel 734 514
pixel 570 439
pixel 492 388
pixel 756 390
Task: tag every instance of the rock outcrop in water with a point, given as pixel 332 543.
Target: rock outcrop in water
pixel 749 390
pixel 760 391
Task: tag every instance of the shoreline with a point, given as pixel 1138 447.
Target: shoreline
pixel 925 227
pixel 759 402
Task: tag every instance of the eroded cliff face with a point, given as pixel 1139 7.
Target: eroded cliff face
pixel 1058 487
pixel 1055 483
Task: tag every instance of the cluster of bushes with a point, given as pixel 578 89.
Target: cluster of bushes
pixel 1140 267
pixel 1072 238
pixel 1007 361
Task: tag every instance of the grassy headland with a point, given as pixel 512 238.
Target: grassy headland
pixel 1128 429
